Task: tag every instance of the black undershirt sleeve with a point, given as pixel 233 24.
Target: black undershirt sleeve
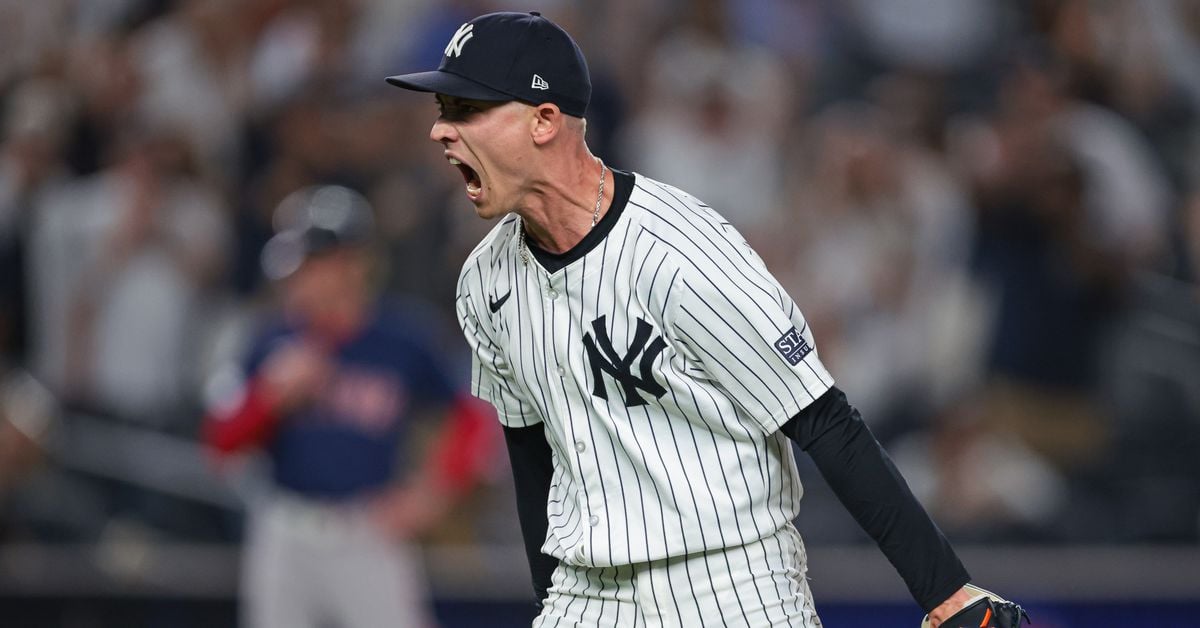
pixel 870 487
pixel 532 466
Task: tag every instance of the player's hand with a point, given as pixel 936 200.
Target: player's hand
pixel 982 608
pixel 293 374
pixel 952 605
pixel 408 512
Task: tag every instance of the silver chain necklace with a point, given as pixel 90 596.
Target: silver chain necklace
pixel 524 248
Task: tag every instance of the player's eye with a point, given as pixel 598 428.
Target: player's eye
pixel 457 111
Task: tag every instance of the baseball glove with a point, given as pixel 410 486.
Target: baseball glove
pixel 984 610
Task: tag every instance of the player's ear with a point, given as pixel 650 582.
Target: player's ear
pixel 546 123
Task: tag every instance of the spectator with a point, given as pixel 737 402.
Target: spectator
pixel 121 262
pixel 711 119
pixel 878 227
pixel 1069 208
pixel 30 164
pixel 192 62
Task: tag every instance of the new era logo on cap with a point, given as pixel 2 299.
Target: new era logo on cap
pixel 512 56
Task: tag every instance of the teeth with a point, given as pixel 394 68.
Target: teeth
pixel 454 162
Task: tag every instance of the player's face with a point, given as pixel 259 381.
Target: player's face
pixel 324 285
pixel 489 144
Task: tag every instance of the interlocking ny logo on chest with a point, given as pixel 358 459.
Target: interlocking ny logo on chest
pixel 604 359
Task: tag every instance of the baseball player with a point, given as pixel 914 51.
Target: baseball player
pixel 649 372
pixel 330 392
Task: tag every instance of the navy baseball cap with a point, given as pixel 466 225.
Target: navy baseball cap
pixel 509 56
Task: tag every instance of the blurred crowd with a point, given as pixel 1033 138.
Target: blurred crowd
pixel 989 210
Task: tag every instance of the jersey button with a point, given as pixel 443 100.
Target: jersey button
pixel 580 446
pixel 562 372
pixel 553 294
pixel 593 521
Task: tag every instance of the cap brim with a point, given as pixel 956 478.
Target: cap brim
pixel 286 251
pixel 439 82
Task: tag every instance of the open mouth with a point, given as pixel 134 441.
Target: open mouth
pixel 474 185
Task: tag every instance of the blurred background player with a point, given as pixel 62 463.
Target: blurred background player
pixel 331 392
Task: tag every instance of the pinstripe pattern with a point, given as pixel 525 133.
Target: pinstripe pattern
pixel 697 468
pixel 760 584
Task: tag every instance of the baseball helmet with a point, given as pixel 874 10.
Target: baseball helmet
pixel 313 221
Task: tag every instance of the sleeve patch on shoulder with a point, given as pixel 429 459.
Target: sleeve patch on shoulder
pixel 792 346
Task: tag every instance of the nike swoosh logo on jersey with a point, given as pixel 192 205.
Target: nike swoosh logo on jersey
pixel 494 305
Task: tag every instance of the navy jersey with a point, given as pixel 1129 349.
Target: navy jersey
pixel 346 442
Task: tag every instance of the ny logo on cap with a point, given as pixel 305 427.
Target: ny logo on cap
pixel 461 37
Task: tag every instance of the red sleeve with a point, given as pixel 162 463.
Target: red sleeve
pixel 250 424
pixel 466 445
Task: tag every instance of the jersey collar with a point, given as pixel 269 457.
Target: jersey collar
pixel 554 262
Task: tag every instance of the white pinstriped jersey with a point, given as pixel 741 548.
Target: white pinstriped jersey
pixel 661 363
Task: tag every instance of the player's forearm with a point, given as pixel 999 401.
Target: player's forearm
pixel 863 477
pixel 452 467
pixel 249 424
pixel 464 446
pixel 532 466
